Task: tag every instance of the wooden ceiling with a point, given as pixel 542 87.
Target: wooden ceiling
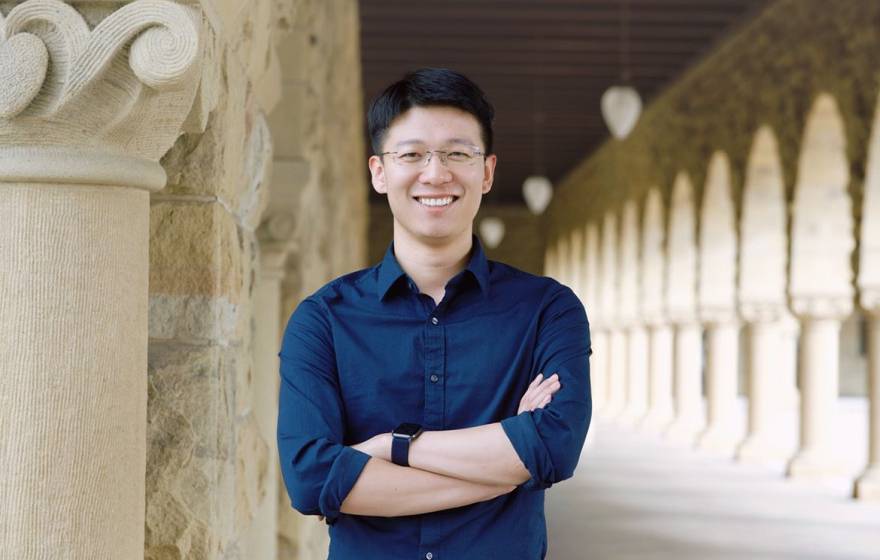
pixel 544 64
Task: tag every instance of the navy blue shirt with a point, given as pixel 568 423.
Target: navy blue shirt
pixel 368 351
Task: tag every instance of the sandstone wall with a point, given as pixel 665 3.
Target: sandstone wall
pixel 281 129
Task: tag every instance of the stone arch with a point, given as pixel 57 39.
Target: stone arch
pixel 822 222
pixel 717 286
pixel 869 254
pixel 681 277
pixel 763 239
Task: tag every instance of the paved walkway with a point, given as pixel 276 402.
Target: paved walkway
pixel 637 497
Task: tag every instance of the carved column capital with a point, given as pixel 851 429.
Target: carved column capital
pixel 822 308
pixel 870 300
pixel 276 239
pixel 94 106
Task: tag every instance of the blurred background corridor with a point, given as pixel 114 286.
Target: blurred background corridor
pixel 176 176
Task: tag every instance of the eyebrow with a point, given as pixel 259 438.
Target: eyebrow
pixel 448 141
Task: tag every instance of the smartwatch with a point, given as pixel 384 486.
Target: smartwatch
pixel 400 440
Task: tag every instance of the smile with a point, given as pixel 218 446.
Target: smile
pixel 436 202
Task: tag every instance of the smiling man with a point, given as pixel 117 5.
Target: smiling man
pixel 413 413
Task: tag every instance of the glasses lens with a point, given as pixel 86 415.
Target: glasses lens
pixel 411 156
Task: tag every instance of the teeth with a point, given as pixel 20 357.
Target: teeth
pixel 436 201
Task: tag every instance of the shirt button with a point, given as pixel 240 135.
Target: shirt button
pixel 435 378
pixel 435 321
pixel 429 556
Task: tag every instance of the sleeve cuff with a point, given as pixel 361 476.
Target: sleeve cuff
pixel 342 477
pixel 523 434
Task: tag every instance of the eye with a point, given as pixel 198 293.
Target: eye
pixel 459 156
pixel 410 157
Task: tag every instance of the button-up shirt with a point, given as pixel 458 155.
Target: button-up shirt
pixel 367 352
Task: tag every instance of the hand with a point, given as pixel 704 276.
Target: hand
pixel 540 392
pixel 378 446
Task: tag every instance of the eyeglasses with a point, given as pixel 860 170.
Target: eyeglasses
pixel 417 157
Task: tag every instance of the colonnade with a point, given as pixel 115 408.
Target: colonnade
pixel 667 289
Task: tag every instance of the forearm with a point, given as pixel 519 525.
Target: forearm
pixel 482 454
pixel 384 489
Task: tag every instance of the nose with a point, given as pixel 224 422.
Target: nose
pixel 435 172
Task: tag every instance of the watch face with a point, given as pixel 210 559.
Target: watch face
pixel 407 429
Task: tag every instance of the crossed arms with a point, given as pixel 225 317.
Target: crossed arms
pixel 534 449
pixel 448 469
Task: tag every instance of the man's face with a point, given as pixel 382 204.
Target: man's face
pixel 418 193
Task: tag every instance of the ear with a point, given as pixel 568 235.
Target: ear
pixel 377 174
pixel 489 172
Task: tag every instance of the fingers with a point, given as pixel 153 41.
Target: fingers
pixel 539 392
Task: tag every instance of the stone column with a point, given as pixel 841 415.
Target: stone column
pixel 762 299
pixel 867 486
pixel 718 306
pixel 85 116
pixel 821 281
pixel 652 294
pixel 576 264
pixel 261 539
pixel 636 399
pixel 681 300
pixel 591 279
pixel 615 365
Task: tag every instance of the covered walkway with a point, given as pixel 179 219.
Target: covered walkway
pixel 636 496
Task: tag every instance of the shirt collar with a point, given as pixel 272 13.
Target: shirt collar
pixel 390 271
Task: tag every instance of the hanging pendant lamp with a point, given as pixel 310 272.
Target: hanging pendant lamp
pixel 621 104
pixel 492 231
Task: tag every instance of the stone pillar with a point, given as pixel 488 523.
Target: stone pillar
pixel 681 301
pixel 575 259
pixel 615 365
pixel 261 541
pixel 652 294
pixel 718 306
pixel 84 118
pixel 661 410
pixel 636 394
pixel 821 289
pixel 563 260
pixel 762 296
pixel 867 486
pixel 591 281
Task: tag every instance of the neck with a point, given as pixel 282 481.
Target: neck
pixel 431 265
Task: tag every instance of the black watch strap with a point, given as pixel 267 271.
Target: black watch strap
pixel 401 438
pixel 400 450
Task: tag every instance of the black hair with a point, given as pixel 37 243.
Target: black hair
pixel 428 87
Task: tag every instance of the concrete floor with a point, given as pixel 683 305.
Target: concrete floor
pixel 636 497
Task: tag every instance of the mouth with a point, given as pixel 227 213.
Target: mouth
pixel 436 201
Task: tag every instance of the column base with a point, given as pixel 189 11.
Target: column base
pixel 813 464
pixel 631 417
pixel 683 432
pixel 656 422
pixel 611 411
pixel 718 440
pixel 759 449
pixel 867 487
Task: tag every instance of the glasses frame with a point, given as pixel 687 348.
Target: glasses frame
pixel 442 154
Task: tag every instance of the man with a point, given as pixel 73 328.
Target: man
pixel 441 347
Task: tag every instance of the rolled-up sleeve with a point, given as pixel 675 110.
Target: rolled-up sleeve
pixel 318 470
pixel 549 440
